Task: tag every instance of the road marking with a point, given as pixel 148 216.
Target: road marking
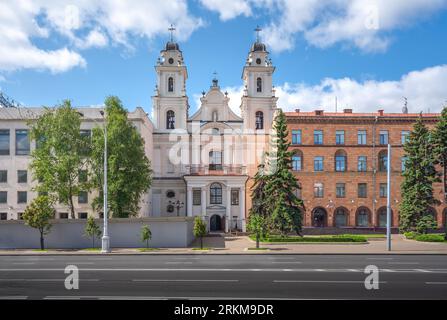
pixel 320 270
pixel 13 297
pixel 436 283
pixel 354 270
pixel 387 270
pixel 44 280
pixel 178 262
pixel 182 280
pixel 379 258
pixel 320 281
pixel 422 270
pixel 403 262
pixel 20 263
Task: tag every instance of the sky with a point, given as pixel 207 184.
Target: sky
pixel 367 54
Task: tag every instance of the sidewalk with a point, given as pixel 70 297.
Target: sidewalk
pixel 239 245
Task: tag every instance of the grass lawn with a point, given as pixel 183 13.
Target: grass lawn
pixel 200 249
pixel 148 249
pixel 91 249
pixel 343 238
pixel 40 250
pixel 256 249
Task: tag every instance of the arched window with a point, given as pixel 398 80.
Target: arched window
pixel 259 120
pixel 216 193
pixel 258 85
pixel 171 84
pixel 340 161
pixel 362 217
pixel 383 160
pixel 215 131
pixel 341 217
pixel 297 161
pixel 170 120
pixel 381 217
pixel 215 160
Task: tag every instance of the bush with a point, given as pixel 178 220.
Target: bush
pixel 430 237
pixel 426 223
pixel 410 235
pixel 336 238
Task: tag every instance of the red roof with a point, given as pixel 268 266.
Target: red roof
pixel 353 114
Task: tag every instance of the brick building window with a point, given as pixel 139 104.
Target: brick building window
pixel 340 161
pixel 296 136
pixel 403 162
pixel 297 162
pixel 362 190
pixel 3 176
pixel 383 160
pixel 22 197
pixel 363 217
pixel 318 136
pixel 318 190
pixel 382 190
pixel 404 136
pixel 22 176
pixel 3 216
pixel 318 164
pixel 196 197
pixel 361 137
pixel 340 190
pixel 383 137
pixel 362 163
pixel 340 137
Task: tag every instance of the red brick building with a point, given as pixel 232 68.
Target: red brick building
pixel 341 162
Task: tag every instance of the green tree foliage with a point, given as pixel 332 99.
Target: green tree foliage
pixel 285 207
pixel 38 215
pixel 146 235
pixel 258 191
pixel 92 230
pixel 257 224
pixel 440 150
pixel 419 175
pixel 199 229
pixel 426 223
pixel 129 172
pixel 61 153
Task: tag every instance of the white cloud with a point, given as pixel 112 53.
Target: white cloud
pixel 83 25
pixel 228 9
pixel 425 90
pixel 361 23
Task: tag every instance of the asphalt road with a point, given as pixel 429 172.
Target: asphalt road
pixel 224 277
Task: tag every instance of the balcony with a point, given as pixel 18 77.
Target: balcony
pixel 214 169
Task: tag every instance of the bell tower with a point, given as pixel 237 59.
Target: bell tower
pixel 170 102
pixel 259 101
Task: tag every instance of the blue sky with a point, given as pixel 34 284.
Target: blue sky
pixel 320 51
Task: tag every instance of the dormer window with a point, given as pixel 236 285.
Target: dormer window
pixel 259 120
pixel 259 85
pixel 171 84
pixel 170 120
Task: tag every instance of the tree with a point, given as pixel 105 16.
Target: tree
pixel 129 172
pixel 258 191
pixel 285 206
pixel 419 175
pixel 38 214
pixel 425 224
pixel 146 235
pixel 440 150
pixel 257 225
pixel 61 153
pixel 92 230
pixel 199 229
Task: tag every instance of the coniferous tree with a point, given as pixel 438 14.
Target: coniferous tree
pixel 285 207
pixel 258 191
pixel 419 175
pixel 440 150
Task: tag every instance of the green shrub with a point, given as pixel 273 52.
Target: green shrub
pixel 410 235
pixel 336 238
pixel 430 237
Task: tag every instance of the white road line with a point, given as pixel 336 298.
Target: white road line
pixel 23 263
pixel 422 270
pixel 387 270
pixel 320 270
pixel 436 283
pixel 13 297
pixel 354 270
pixel 319 281
pixel 379 258
pixel 403 262
pixel 182 280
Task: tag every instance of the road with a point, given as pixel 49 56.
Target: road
pixel 224 276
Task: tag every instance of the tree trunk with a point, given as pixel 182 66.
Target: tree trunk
pixel 444 167
pixel 257 240
pixel 93 241
pixel 147 243
pixel 201 242
pixel 72 213
pixel 42 245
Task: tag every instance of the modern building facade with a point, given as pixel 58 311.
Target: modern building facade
pixel 341 162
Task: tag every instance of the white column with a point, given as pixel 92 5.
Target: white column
pixel 228 212
pixel 242 207
pixel 203 201
pixel 189 201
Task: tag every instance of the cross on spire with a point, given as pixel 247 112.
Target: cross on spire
pixel 171 30
pixel 257 30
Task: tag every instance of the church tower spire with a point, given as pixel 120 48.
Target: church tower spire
pixel 170 101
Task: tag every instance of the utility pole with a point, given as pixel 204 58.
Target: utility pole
pixel 388 201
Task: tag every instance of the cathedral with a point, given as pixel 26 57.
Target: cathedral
pixel 204 162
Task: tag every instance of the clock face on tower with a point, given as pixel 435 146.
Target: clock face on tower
pixel 258 61
pixel 171 61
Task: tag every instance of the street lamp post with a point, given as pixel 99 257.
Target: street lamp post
pixel 388 201
pixel 178 205
pixel 105 237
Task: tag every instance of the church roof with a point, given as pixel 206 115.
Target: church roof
pixel 170 45
pixel 258 46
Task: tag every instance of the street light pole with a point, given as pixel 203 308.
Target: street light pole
pixel 105 236
pixel 388 201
